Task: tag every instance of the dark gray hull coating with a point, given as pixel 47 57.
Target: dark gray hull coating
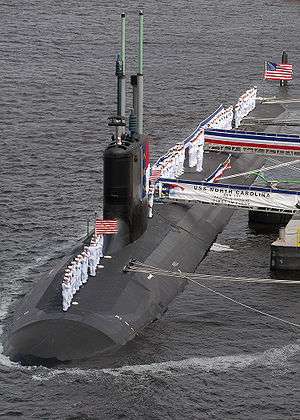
pixel 115 306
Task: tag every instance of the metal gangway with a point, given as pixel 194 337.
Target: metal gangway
pixel 246 197
pixel 266 144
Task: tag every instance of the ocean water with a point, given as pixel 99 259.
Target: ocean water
pixel 207 358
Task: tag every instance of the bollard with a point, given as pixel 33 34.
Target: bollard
pixel 282 233
pixel 284 60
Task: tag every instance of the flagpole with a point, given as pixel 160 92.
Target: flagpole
pixel 284 60
pixel 87 227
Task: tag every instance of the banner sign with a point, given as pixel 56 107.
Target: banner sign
pixel 231 195
pixel 251 139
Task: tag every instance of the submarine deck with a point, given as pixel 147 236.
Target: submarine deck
pixel 171 227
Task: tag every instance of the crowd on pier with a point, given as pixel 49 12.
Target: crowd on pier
pixel 223 120
pixel 245 104
pixel 78 271
pixel 171 164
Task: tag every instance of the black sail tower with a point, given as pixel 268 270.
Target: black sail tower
pixel 125 195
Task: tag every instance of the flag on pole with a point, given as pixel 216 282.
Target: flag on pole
pixel 275 71
pixel 106 227
pixel 155 174
pixel 217 174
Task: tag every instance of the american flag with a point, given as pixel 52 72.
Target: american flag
pixel 217 175
pixel 106 227
pixel 278 71
pixel 155 174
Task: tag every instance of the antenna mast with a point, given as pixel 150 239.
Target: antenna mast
pixel 140 77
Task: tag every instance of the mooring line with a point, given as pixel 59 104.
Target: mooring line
pixel 148 269
pixel 136 266
pixel 265 169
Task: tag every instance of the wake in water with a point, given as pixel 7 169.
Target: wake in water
pixel 4 305
pixel 270 358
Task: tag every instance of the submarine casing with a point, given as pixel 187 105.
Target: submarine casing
pixel 115 306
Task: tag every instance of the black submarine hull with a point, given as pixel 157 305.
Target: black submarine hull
pixel 115 306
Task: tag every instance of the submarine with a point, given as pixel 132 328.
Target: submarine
pixel 115 306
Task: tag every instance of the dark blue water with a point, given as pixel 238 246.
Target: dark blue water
pixel 207 358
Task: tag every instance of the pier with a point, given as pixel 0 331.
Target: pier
pixel 270 130
pixel 285 251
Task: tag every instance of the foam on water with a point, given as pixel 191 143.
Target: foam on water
pixel 220 248
pixel 4 360
pixel 273 357
pixel 269 358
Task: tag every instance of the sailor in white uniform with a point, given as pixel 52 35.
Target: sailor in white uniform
pixel 70 294
pixel 163 168
pixel 173 164
pixel 177 163
pixel 151 201
pixel 236 116
pixel 78 260
pixel 84 267
pixel 66 293
pixel 69 273
pixel 181 152
pixel 92 258
pixel 73 276
pixel 193 153
pixel 99 246
pixel 167 168
pixel 199 159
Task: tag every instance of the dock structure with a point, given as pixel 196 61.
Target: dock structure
pixel 285 251
pixel 283 115
pixel 275 111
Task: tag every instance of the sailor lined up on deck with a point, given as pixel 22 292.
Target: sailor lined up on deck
pixel 172 163
pixel 76 274
pixel 223 120
pixel 232 117
pixel 245 104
